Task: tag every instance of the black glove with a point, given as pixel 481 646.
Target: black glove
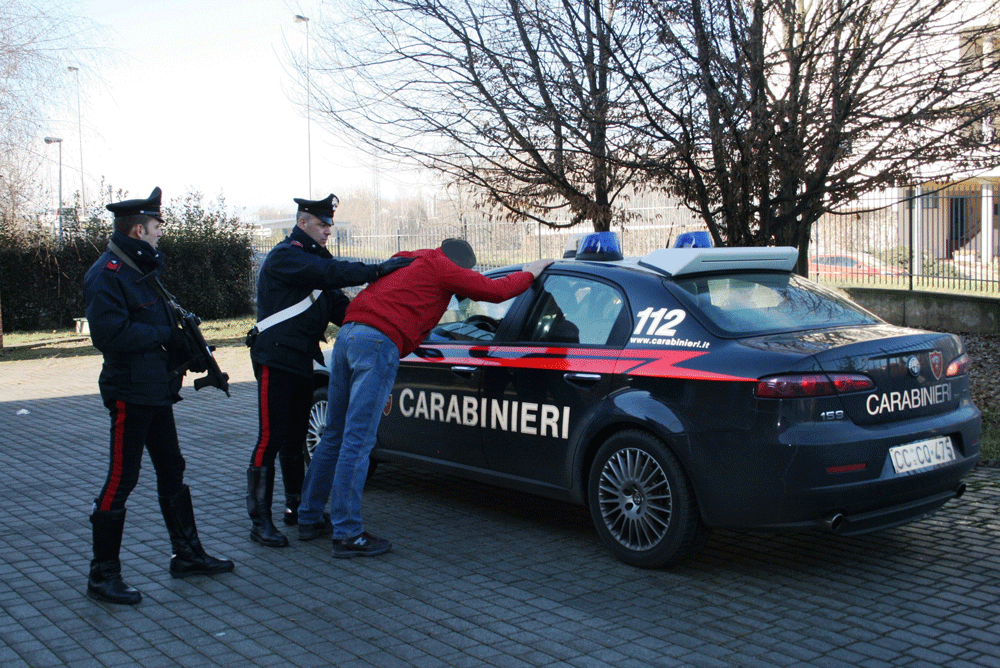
pixel 391 265
pixel 252 337
pixel 198 365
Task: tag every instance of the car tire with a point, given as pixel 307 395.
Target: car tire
pixel 641 502
pixel 317 422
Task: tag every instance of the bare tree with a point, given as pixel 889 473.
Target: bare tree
pixel 37 40
pixel 517 99
pixel 767 113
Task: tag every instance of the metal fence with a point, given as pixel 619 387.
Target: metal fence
pixel 938 236
pixel 497 244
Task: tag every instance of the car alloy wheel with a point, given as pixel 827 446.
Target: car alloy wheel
pixel 317 421
pixel 635 498
pixel 641 501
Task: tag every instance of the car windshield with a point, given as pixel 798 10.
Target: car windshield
pixel 755 303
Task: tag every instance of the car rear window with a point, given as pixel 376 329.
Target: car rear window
pixel 753 303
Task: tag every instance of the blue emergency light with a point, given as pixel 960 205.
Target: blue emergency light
pixel 601 246
pixel 694 240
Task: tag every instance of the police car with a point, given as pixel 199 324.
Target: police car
pixel 689 389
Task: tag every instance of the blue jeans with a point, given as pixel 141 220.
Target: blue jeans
pixel 362 372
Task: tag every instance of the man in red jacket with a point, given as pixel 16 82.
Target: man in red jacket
pixel 385 322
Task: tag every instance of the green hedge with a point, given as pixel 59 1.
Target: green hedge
pixel 209 267
pixel 41 280
pixel 210 260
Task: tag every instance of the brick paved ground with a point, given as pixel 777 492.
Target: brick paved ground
pixel 479 576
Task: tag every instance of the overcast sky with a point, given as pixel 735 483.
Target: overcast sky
pixel 195 94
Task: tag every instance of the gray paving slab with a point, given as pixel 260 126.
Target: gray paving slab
pixel 479 576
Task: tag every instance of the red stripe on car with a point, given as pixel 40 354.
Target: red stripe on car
pixel 647 363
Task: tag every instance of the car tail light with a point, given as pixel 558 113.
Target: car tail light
pixel 812 385
pixel 958 366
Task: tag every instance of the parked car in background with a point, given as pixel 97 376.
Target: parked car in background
pixel 685 390
pixel 850 265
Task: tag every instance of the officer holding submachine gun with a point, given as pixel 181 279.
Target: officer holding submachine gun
pixel 148 342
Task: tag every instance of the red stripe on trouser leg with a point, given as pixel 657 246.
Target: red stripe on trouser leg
pixel 117 457
pixel 265 416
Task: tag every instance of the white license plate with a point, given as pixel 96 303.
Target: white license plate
pixel 922 454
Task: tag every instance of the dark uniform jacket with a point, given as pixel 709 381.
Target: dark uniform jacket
pixel 131 324
pixel 292 270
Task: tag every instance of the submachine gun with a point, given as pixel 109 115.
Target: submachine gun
pixel 196 352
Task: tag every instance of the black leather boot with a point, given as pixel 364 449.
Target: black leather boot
pixel 260 488
pixel 189 556
pixel 293 472
pixel 105 582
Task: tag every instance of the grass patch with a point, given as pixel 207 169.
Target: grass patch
pixel 991 435
pixel 974 287
pixel 47 344
pixel 228 332
pixel 18 339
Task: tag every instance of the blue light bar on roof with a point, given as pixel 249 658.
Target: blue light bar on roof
pixel 601 246
pixel 694 240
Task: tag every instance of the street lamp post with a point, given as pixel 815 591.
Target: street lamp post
pixel 302 19
pixel 79 125
pixel 58 140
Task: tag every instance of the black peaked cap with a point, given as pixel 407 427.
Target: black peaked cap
pixel 321 208
pixel 145 207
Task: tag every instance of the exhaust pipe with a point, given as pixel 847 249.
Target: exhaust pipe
pixel 834 522
pixel 960 490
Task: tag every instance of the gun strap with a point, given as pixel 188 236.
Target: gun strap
pixel 290 312
pixel 113 247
